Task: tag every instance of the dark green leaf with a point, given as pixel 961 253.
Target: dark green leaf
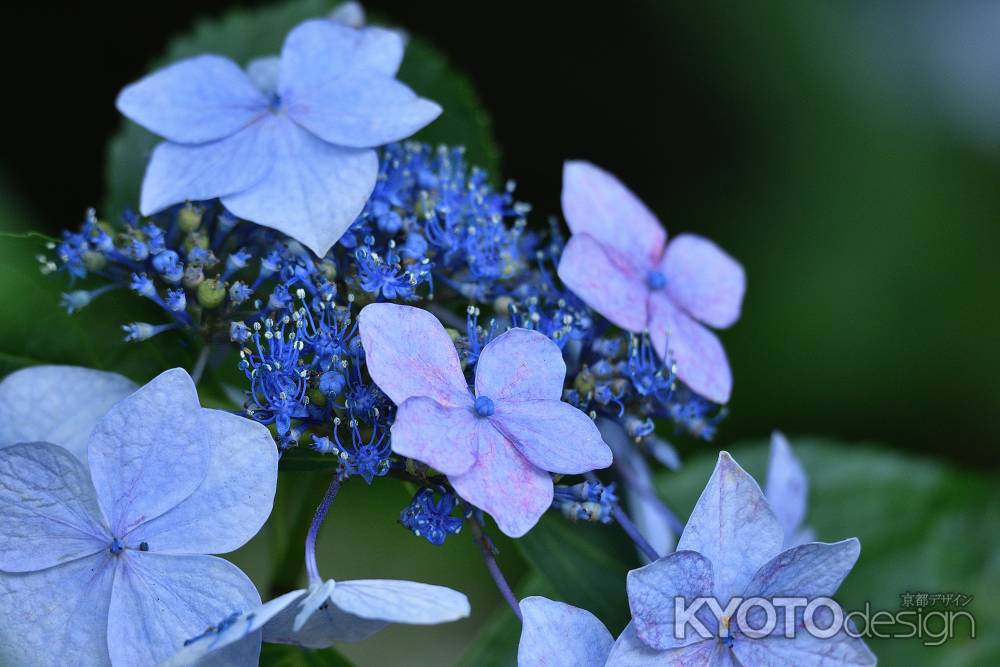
pixel 924 528
pixel 245 34
pixel 280 655
pixel 585 563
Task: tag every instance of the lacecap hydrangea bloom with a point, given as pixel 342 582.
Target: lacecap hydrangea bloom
pixel 109 566
pixel 497 445
pixel 289 142
pixel 618 261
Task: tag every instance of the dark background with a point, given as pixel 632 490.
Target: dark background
pixel 847 153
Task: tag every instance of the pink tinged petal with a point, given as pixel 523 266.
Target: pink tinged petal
pixel 630 651
pixel 520 365
pixel 193 101
pixel 587 269
pixel 146 454
pixel 704 280
pixel 555 634
pixel 733 527
pixel 233 501
pixel 57 614
pixel 809 570
pixel 594 202
pixel 360 109
pixel 553 435
pixel 313 190
pixel 444 438
pixel 58 404
pixel 787 487
pixel 408 353
pixel 321 49
pixel 653 589
pixel 48 510
pixel 504 484
pixel 160 601
pixel 396 601
pixel 697 353
pixel 805 650
pixel 245 630
pixel 180 172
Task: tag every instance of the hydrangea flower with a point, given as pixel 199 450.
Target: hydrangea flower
pixel 110 567
pixel 618 262
pixel 787 491
pixel 731 547
pixel 555 634
pixel 288 143
pixel 57 404
pixel 498 445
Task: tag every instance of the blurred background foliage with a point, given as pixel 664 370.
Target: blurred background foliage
pixel 847 153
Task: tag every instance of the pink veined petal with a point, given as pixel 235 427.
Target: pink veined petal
pixel 159 601
pixel 193 101
pixel 360 109
pixel 180 172
pixel 616 293
pixel 555 634
pixel 704 280
pixel 46 404
pixel 787 486
pixel 312 190
pixel 146 454
pixel 56 614
pixel 408 353
pixel 553 435
pixel 48 510
pixel 809 570
pixel 504 484
pixel 320 49
pixel 805 650
pixel 444 438
pixel 233 501
pixel 630 651
pixel 652 590
pixel 596 203
pixel 520 365
pixel 699 356
pixel 733 527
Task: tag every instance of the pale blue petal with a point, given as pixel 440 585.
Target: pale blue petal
pixel 233 501
pixel 804 650
pixel 397 601
pixel 809 570
pixel 58 404
pixel 264 73
pixel 313 190
pixel 787 487
pixel 652 590
pixel 553 435
pixel 146 454
pixel 318 596
pixel 57 614
pixel 48 510
pixel 630 651
pixel 160 601
pixel 351 14
pixel 245 629
pixel 733 527
pixel 520 365
pixel 360 109
pixel 704 280
pixel 181 172
pixel 555 634
pixel 321 629
pixel 321 49
pixel 195 100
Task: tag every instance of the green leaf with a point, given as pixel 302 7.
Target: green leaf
pixel 245 34
pixel 281 655
pixel 585 563
pixel 37 330
pixel 924 528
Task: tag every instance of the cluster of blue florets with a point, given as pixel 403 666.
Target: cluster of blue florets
pixel 434 231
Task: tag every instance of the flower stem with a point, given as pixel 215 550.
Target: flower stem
pixel 199 365
pixel 494 568
pixel 626 523
pixel 311 568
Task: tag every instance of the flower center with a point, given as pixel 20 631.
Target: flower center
pixel 656 280
pixel 116 547
pixel 484 406
pixel 274 103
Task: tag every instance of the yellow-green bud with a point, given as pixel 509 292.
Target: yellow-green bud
pixel 211 293
pixel 584 382
pixel 189 218
pixel 193 275
pixel 316 397
pixel 502 304
pixel 94 261
pixel 196 240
